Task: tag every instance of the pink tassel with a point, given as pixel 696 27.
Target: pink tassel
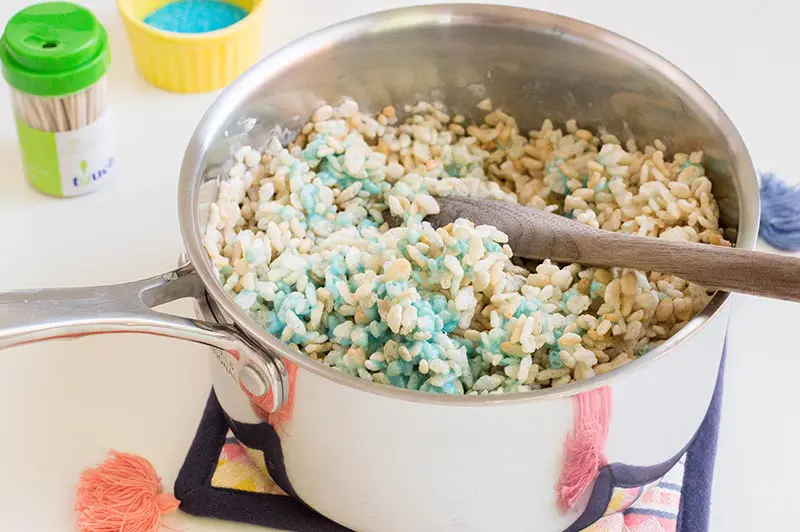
pixel 584 450
pixel 123 494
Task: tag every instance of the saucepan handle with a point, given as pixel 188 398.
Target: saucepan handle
pixel 28 316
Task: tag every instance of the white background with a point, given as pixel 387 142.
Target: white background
pixel 66 403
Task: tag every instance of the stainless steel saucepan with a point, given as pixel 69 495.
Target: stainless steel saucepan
pixel 377 458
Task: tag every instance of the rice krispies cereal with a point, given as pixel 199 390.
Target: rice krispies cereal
pixel 300 238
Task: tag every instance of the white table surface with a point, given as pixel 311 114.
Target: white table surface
pixel 67 403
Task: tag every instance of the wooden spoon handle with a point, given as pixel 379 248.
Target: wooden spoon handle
pixel 723 268
pixel 538 235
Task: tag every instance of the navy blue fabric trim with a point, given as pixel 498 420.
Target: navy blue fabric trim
pixel 698 472
pixel 262 437
pixel 619 476
pixel 698 475
pixel 193 486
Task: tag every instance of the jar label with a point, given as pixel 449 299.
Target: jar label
pixel 70 163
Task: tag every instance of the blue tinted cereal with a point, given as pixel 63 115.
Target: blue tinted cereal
pixel 300 238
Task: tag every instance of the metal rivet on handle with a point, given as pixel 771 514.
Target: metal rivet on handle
pixel 253 381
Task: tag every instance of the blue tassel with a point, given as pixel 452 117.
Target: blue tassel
pixel 780 213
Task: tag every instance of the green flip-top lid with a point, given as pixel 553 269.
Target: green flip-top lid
pixel 53 49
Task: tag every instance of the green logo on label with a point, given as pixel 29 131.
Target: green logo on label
pixel 83 179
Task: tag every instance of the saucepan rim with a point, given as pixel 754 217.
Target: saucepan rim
pixel 218 115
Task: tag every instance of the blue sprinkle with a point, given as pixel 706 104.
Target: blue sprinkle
pixel 273 324
pixel 377 328
pixel 283 287
pixel 453 170
pixel 498 335
pixel 475 365
pixel 596 289
pixel 311 293
pixel 371 187
pixel 555 360
pixel 462 247
pixel 565 297
pixel 287 213
pixel 643 351
pixel 557 333
pixel 438 303
pixel 414 381
pixel 365 224
pixel 399 381
pixel 491 246
pixel 195 16
pixel 332 321
pixel 328 178
pixel 527 307
pixel 308 197
pixel 344 219
pixel 399 367
pixel 245 299
pixel 310 153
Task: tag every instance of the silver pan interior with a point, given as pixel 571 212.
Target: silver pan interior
pixel 533 65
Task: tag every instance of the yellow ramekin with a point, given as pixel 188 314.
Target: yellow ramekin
pixel 197 62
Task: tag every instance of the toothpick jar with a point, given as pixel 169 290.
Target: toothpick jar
pixel 55 57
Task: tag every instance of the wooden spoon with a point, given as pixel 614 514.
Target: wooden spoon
pixel 537 234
